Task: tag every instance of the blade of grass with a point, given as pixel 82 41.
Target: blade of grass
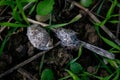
pixel 113 64
pixel 103 64
pixel 3 45
pixel 28 0
pixel 99 8
pixel 109 42
pixel 109 13
pixel 32 9
pixel 5 40
pixel 65 78
pixel 117 74
pixel 75 59
pixel 12 24
pixel 76 18
pixel 114 15
pixel 41 64
pixel 108 77
pixel 20 7
pixel 79 54
pixel 6 2
pixel 16 15
pixel 89 74
pixel 114 21
pixel 74 76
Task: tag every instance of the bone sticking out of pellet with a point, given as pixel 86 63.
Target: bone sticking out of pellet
pixel 69 39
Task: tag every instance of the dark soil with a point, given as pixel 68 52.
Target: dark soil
pixel 18 48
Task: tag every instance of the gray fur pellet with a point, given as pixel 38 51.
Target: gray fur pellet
pixel 39 37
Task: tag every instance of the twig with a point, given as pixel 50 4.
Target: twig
pixel 26 74
pixel 97 21
pixel 25 62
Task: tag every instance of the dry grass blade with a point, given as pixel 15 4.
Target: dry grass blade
pixel 36 22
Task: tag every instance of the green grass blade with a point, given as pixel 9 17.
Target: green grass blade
pixel 57 25
pixel 108 77
pixel 99 8
pixel 110 11
pixel 28 0
pixel 12 24
pixel 5 40
pixel 117 75
pixel 2 2
pixel 41 63
pixel 74 76
pixel 110 43
pixel 107 68
pixel 80 51
pixel 20 7
pixel 114 21
pixel 114 15
pixel 89 74
pixel 79 54
pixel 104 21
pixel 113 63
pixel 65 78
pixel 32 9
pixel 3 45
pixel 16 15
pixel 8 3
pixel 76 18
pixel 118 4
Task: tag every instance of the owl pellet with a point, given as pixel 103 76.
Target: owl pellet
pixel 68 38
pixel 39 37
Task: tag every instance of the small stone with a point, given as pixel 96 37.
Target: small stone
pixel 39 37
pixel 91 69
pixel 20 48
pixel 42 18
